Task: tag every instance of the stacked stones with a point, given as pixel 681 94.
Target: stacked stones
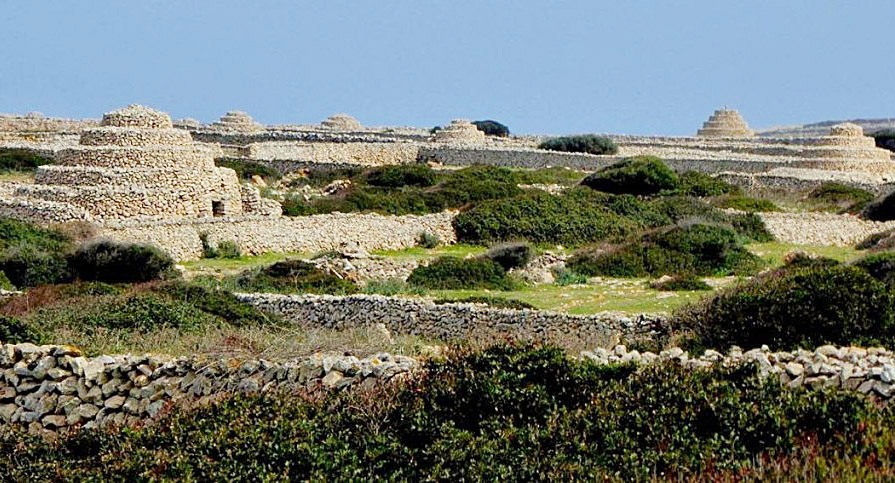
pixel 725 123
pixel 870 371
pixel 52 387
pixel 341 122
pixel 460 131
pixel 137 165
pixel 187 123
pixel 237 121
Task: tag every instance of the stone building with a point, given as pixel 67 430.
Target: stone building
pixel 725 123
pixel 460 131
pixel 136 165
pixel 237 121
pixel 341 122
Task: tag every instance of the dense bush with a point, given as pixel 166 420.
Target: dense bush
pixel 31 256
pixel 113 262
pixel 428 240
pixel 14 331
pixel 641 175
pixel 802 259
pixel 698 249
pixel 494 302
pixel 293 276
pixel 885 139
pixel 492 128
pixel 744 203
pixel 540 217
pixel 245 169
pixel 20 160
pixel 451 273
pixel 880 209
pixel 510 255
pixel 688 209
pixel 880 266
pixel 844 197
pixel 5 284
pixel 396 176
pixel 796 307
pixel 228 249
pixel 680 282
pixel 696 183
pixel 503 414
pixel 220 303
pixel 586 143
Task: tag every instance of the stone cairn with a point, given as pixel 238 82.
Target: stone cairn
pixel 725 123
pixel 136 165
pixel 237 121
pixel 341 122
pixel 460 131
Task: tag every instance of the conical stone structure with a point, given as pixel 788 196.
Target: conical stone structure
pixel 237 121
pixel 136 165
pixel 725 123
pixel 460 131
pixel 341 122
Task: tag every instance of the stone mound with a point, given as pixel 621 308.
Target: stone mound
pixel 725 123
pixel 137 116
pixel 460 131
pixel 341 122
pixel 237 121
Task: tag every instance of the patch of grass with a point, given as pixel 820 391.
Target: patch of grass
pixel 745 203
pixel 775 253
pixel 679 283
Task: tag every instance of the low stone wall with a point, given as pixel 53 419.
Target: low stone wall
pixel 825 229
pixel 516 157
pixel 870 371
pixel 363 154
pixel 48 388
pixel 258 235
pixel 450 321
pixel 805 180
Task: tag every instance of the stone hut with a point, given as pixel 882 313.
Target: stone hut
pixel 460 131
pixel 341 122
pixel 136 165
pixel 725 123
pixel 237 121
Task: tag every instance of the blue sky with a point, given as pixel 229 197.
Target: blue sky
pixel 639 67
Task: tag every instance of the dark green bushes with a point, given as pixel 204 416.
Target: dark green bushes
pixel 31 256
pixel 796 307
pixel 541 218
pixel 885 139
pixel 510 255
pixel 696 183
pixel 492 128
pixel 744 203
pixel 687 209
pixel 428 240
pixel 880 266
pixel 220 303
pixel 586 143
pixel 641 175
pixel 113 262
pixel 293 276
pixel 698 249
pixel 395 176
pixel 502 414
pixel 880 209
pixel 20 160
pixel 14 331
pixel 451 273
pixel 845 198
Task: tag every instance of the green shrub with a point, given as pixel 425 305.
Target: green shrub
pixel 883 240
pixel 586 143
pixel 26 266
pixel 802 259
pixel 641 175
pixel 492 128
pixel 293 276
pixel 14 331
pixel 880 209
pixel 220 303
pixel 5 284
pixel 20 160
pixel 428 240
pixel 678 283
pixel 113 262
pixel 494 302
pixel 245 169
pixel 552 175
pixel 510 255
pixel 502 414
pixel 540 217
pixel 563 276
pixel 697 183
pixel 451 273
pixel 880 266
pixel 396 176
pixel 885 139
pixel 699 249
pixel 688 209
pixel 796 307
pixel 744 203
pixel 844 197
pixel 228 249
pixel 478 183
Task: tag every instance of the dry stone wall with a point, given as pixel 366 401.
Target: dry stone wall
pixel 257 235
pixel 361 154
pixel 50 388
pixel 825 229
pixel 450 321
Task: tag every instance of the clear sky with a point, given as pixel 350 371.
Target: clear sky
pixel 622 66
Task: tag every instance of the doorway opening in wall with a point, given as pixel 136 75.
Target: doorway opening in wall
pixel 217 208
